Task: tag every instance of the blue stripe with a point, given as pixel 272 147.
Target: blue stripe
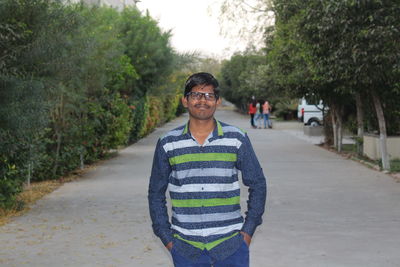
pixel 204 149
pixel 205 195
pixel 205 210
pixel 234 135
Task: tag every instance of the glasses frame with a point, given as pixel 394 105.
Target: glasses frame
pixel 200 95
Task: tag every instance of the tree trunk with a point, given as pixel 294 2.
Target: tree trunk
pixel 339 128
pixel 81 157
pixel 382 131
pixel 58 126
pixel 360 124
pixel 334 126
pixel 56 159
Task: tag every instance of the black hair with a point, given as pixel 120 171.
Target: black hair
pixel 201 78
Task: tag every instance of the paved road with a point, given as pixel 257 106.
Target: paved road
pixel 322 210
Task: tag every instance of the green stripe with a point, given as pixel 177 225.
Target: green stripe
pixel 203 157
pixel 186 128
pixel 202 245
pixel 219 127
pixel 211 202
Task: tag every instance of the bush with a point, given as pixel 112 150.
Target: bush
pixel 74 83
pixel 286 109
pixel 10 184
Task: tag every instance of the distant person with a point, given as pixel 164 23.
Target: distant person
pixel 266 110
pixel 252 110
pixel 199 163
pixel 258 116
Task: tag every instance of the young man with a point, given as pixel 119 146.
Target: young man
pixel 199 163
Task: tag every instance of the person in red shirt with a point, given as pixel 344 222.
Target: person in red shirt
pixel 252 111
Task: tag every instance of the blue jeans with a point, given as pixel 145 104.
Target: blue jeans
pixel 257 119
pixel 266 120
pixel 238 259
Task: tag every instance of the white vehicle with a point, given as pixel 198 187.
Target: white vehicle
pixel 310 113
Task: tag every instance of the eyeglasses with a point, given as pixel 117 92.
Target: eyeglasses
pixel 199 95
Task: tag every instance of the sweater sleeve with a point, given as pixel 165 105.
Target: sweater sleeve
pixel 254 179
pixel 156 195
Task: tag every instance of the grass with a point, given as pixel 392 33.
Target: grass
pixel 36 191
pixel 349 148
pixel 395 165
pixel 350 151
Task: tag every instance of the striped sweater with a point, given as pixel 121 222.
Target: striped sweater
pixel 204 189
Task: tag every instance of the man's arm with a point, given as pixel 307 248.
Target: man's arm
pixel 157 201
pixel 253 177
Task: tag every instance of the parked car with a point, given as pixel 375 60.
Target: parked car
pixel 310 113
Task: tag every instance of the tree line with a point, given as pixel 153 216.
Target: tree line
pixel 75 82
pixel 345 53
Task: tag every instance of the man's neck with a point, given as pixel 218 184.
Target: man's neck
pixel 200 129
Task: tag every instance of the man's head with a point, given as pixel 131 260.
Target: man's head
pixel 201 78
pixel 201 96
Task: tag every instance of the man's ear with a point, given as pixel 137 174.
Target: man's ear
pixel 219 101
pixel 184 101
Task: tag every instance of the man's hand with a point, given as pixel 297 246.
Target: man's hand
pixel 246 238
pixel 169 246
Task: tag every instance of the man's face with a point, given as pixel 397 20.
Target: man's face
pixel 201 109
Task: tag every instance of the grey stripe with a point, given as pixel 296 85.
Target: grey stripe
pixel 173 133
pixel 194 218
pixel 226 129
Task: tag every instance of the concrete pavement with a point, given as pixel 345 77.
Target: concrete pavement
pixel 322 210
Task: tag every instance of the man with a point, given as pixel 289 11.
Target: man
pixel 198 163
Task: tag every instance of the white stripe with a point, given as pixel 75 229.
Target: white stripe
pixel 226 142
pixel 208 231
pixel 210 217
pixel 179 144
pixel 204 173
pixel 188 188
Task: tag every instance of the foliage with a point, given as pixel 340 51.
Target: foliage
pixel 250 74
pixel 10 185
pixel 246 20
pixel 286 108
pixel 75 82
pixel 148 49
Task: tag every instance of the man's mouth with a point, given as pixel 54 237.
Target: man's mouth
pixel 202 106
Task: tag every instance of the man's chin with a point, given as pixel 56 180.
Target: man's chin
pixel 202 117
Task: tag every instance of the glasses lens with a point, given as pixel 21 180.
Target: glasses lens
pixel 198 96
pixel 209 96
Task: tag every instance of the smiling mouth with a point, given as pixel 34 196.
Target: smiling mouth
pixel 202 106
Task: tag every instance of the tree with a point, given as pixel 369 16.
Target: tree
pixel 354 43
pixel 246 19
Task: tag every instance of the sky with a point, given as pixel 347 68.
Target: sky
pixel 193 27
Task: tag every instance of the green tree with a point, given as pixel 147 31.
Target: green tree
pixel 355 46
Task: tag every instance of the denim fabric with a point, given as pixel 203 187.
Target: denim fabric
pixel 257 119
pixel 240 258
pixel 267 122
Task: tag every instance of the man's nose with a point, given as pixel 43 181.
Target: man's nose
pixel 202 97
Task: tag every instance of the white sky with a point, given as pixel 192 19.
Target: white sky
pixel 193 27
